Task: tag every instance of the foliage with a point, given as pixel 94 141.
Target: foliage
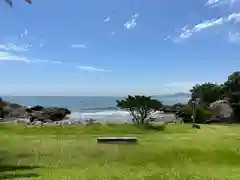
pixel 140 107
pixel 185 113
pixel 236 110
pixel 232 84
pixel 9 2
pixel 207 92
pixel 231 89
pixel 202 114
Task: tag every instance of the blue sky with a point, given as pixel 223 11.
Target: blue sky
pixel 113 47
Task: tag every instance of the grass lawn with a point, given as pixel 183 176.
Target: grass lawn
pixel 71 153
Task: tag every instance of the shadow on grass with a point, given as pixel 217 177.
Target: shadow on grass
pixel 12 171
pixel 9 172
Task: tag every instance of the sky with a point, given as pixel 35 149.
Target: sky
pixel 113 47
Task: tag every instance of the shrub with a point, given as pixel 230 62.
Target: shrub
pixel 236 110
pixel 202 114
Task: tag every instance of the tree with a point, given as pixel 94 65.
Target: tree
pixel 140 107
pixel 231 89
pixel 9 2
pixel 207 92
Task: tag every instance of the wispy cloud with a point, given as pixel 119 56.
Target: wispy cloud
pixel 20 43
pixel 107 19
pixel 10 52
pixel 188 31
pixel 216 3
pixel 132 22
pixel 25 33
pixel 79 46
pixel 90 68
pixel 234 37
pixel 167 38
pixel 14 47
pixel 235 17
pixel 8 56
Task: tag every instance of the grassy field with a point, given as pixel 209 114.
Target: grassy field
pixel 71 153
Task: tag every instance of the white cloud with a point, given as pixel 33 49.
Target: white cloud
pixel 234 37
pixel 7 56
pixel 235 17
pixel 187 32
pixel 132 22
pixel 216 3
pixel 79 46
pixel 107 19
pixel 14 47
pixel 90 68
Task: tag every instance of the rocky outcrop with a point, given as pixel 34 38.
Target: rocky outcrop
pixel 35 113
pixel 47 114
pixel 13 110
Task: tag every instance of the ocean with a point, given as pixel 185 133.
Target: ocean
pixel 99 108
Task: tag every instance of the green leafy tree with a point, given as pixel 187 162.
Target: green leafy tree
pixel 231 90
pixel 231 87
pixel 202 114
pixel 207 92
pixel 140 107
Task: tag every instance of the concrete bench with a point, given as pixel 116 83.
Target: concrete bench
pixel 116 139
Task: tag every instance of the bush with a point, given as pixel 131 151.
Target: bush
pixel 202 114
pixel 185 113
pixel 236 110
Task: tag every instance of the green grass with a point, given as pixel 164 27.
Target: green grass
pixel 71 153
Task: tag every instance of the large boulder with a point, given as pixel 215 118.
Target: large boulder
pixel 35 108
pixel 9 109
pixel 56 114
pixel 50 113
pixel 221 109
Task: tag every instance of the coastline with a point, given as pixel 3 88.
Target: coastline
pixel 74 118
pixel 101 110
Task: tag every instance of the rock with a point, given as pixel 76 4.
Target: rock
pixel 56 114
pixel 34 108
pixel 13 110
pixel 52 114
pixel 35 113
